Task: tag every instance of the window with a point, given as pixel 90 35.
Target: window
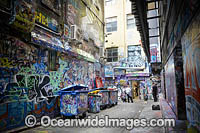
pixel 111 24
pixel 112 54
pixel 130 22
pixel 110 2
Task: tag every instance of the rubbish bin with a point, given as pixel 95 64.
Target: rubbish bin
pixel 94 103
pixel 74 101
pixel 104 99
pixel 113 97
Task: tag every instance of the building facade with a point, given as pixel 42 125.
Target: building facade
pixel 45 46
pixel 126 60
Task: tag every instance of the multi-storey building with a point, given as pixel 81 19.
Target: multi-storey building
pixel 126 60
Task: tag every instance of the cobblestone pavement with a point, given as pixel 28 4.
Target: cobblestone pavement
pixel 138 109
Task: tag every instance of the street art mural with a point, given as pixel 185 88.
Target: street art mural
pixel 191 61
pixel 73 71
pixel 134 56
pixel 170 83
pixel 28 86
pixel 20 70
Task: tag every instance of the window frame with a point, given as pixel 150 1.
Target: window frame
pixel 129 18
pixel 112 54
pixel 112 21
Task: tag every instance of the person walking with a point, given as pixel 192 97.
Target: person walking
pixel 129 94
pixel 155 91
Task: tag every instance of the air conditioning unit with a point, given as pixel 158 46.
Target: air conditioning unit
pixel 75 33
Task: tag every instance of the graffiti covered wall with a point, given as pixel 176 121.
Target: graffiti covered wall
pixel 171 84
pixel 191 61
pixel 27 85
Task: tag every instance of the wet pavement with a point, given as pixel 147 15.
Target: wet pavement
pixel 138 109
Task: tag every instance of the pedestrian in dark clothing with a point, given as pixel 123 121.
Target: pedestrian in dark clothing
pixel 154 91
pixel 136 90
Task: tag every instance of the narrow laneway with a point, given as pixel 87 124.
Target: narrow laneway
pixel 138 109
pixel 60 59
